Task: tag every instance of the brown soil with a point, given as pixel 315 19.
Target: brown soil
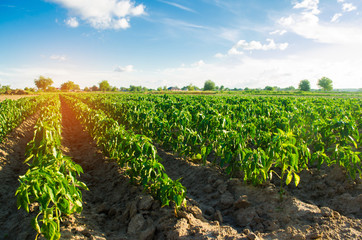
pixel 14 223
pixel 14 97
pixel 326 205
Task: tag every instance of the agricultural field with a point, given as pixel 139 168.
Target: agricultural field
pixel 139 166
pixel 13 97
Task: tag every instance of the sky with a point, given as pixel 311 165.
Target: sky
pixel 156 43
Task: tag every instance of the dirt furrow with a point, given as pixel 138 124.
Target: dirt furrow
pixel 259 211
pixel 14 223
pixel 113 208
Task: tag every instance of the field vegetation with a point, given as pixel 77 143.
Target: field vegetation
pixel 239 142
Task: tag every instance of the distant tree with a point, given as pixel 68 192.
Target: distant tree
pixel 269 88
pixel 291 88
pixel 191 87
pixel 51 89
pixel 43 83
pixel 222 87
pixel 4 89
pixel 159 89
pixel 104 86
pixel 164 88
pixel 209 85
pixel 86 89
pixel 325 83
pixel 304 85
pixel 68 86
pixel 133 88
pixel 124 89
pixel 94 88
pixel 114 89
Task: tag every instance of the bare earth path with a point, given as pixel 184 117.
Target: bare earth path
pixel 326 205
pixel 14 223
pixel 14 97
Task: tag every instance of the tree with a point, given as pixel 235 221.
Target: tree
pixel 291 88
pixel 325 83
pixel 51 89
pixel 269 88
pixel 4 88
pixel 304 85
pixel 43 83
pixel 104 86
pixel 133 88
pixel 68 86
pixel 94 88
pixel 209 85
pixel 86 89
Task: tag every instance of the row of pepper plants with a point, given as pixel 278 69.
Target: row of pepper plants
pixel 12 113
pixel 257 136
pixel 51 181
pixel 133 151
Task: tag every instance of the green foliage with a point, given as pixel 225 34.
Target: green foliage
pixel 104 86
pixel 133 88
pixel 209 85
pixel 304 85
pixel 291 88
pixel 269 88
pixel 136 152
pixel 256 136
pixel 51 179
pixel 43 83
pixel 68 86
pixel 325 83
pixel 12 113
pixel 4 88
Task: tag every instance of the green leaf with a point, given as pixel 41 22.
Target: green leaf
pixel 289 178
pixel 296 179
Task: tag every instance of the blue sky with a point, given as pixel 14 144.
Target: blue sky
pixel 235 43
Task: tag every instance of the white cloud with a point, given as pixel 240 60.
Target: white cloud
pixel 198 64
pixel 103 14
pixel 348 7
pixel 178 6
pixel 278 32
pixel 311 5
pixel 336 17
pixel 308 25
pixel 72 22
pixel 128 68
pixel 60 58
pixel 219 55
pixel 238 48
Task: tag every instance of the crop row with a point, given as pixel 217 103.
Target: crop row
pixel 50 182
pixel 133 151
pixel 259 137
pixel 12 113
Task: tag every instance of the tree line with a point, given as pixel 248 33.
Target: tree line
pixel 45 84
